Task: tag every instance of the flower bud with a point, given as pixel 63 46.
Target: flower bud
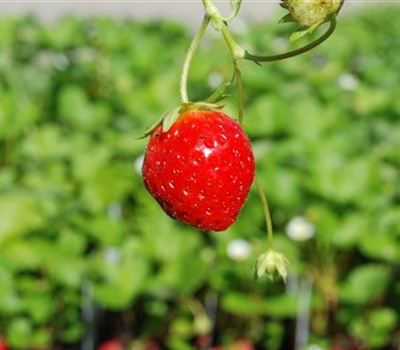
pixel 271 263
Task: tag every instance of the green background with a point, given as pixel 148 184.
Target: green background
pixel 76 222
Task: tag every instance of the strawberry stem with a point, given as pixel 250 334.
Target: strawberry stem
pixel 267 214
pixel 239 89
pixel 215 15
pixel 189 57
pixel 308 47
pixel 237 54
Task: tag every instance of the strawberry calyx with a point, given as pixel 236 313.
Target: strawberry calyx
pixel 171 116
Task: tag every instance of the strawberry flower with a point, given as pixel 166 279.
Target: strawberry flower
pixel 272 263
pixel 238 250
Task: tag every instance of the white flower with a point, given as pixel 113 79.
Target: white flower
pixel 114 211
pixel 348 82
pixel 314 347
pixel 215 79
pixel 300 229
pixel 238 249
pixel 112 255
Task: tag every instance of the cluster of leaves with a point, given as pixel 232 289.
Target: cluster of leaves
pixel 75 220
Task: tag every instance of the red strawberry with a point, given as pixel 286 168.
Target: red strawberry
pixel 201 169
pixel 111 344
pixel 3 344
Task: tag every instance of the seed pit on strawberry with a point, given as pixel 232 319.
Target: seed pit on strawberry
pixel 183 214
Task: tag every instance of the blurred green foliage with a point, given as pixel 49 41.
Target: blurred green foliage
pixel 74 214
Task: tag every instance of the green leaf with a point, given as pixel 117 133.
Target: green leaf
pixel 245 305
pixel 39 307
pixel 384 319
pixel 376 327
pixel 75 108
pixel 20 332
pixel 18 215
pixel 351 231
pixel 364 284
pixel 380 244
pixel 121 282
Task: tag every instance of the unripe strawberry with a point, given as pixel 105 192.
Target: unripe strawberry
pixel 311 13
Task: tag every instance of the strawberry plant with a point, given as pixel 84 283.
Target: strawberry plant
pixel 202 177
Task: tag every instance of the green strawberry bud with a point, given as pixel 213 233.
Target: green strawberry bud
pixel 271 263
pixel 312 13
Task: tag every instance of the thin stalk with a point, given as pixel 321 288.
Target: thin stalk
pixel 214 13
pixel 308 47
pixel 210 9
pixel 267 214
pixel 239 89
pixel 237 54
pixel 189 57
pixel 237 51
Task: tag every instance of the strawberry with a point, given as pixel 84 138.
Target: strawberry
pixel 312 13
pixel 111 344
pixel 200 170
pixel 3 344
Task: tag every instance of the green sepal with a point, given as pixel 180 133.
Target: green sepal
pixel 298 34
pixel 283 5
pixel 314 26
pixel 286 19
pixel 304 31
pixel 219 94
pixel 150 130
pixel 170 118
pixel 167 120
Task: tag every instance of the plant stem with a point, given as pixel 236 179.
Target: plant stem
pixel 237 54
pixel 267 214
pixel 210 9
pixel 214 13
pixel 308 47
pixel 189 57
pixel 237 51
pixel 239 89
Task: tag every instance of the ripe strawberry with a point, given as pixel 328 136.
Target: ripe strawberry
pixel 111 344
pixel 200 170
pixel 3 344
